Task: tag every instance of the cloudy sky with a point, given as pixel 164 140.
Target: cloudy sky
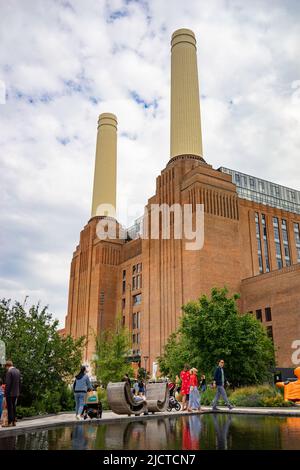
pixel 63 62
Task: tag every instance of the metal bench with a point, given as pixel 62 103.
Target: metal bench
pixel 121 400
pixel 157 395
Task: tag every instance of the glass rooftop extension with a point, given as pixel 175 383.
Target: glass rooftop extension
pixel 264 192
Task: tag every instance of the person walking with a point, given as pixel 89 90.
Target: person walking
pixel 12 391
pixel 185 386
pixel 194 395
pixel 203 386
pixel 219 383
pixel 81 386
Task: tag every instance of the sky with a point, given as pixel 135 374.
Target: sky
pixel 63 62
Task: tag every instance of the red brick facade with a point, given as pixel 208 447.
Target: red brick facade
pixel 102 274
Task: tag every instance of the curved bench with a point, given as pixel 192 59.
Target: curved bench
pixel 157 395
pixel 121 400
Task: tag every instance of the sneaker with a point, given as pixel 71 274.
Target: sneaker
pixel 230 407
pixel 78 417
pixel 215 409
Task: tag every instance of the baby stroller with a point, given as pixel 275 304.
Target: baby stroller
pixel 173 403
pixel 93 407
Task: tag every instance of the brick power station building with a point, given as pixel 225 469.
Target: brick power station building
pixel 251 239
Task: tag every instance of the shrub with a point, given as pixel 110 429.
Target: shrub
pixel 67 400
pixel 26 411
pixel 261 395
pixel 102 396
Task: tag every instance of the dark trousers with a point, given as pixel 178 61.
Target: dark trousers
pixel 11 409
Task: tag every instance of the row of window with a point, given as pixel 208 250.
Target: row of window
pixel 268 314
pixel 268 318
pixel 136 300
pixel 260 185
pixel 136 278
pixel 281 237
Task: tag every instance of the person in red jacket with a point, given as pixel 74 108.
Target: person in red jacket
pixel 185 386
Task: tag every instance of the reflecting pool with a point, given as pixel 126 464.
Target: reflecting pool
pixel 195 432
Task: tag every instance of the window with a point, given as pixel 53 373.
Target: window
pixel 123 304
pixel 136 278
pixel 259 252
pixel 270 332
pixel 261 186
pixel 252 183
pixel 297 240
pixel 259 315
pixel 133 339
pixel 268 314
pixel 123 287
pixel 138 338
pixel 134 321
pixel 285 239
pixel 124 274
pixel 138 320
pixel 137 299
pixel 265 237
pixel 237 178
pixel 277 243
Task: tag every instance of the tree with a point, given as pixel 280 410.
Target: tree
pixel 212 328
pixel 112 351
pixel 47 361
pixel 176 355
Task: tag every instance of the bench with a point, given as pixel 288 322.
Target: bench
pixel 121 400
pixel 157 395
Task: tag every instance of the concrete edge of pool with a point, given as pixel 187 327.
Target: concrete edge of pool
pixel 63 419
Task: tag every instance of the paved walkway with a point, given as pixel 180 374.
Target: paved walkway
pixel 62 419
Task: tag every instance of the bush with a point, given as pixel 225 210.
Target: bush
pixel 26 411
pixel 102 396
pixel 261 395
pixel 67 400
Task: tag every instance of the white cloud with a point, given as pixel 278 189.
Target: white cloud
pixel 64 62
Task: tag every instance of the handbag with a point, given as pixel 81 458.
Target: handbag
pixel 91 397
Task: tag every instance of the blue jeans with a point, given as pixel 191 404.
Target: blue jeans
pixel 221 392
pixel 79 401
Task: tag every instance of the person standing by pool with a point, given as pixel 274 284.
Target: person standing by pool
pixel 185 386
pixel 12 392
pixel 194 397
pixel 219 383
pixel 81 386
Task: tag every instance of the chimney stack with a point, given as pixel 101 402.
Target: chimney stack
pixel 104 191
pixel 186 138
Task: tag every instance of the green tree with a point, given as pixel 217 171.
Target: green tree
pixel 212 328
pixel 176 355
pixel 47 361
pixel 111 355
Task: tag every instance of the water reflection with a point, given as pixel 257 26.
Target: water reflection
pixel 194 432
